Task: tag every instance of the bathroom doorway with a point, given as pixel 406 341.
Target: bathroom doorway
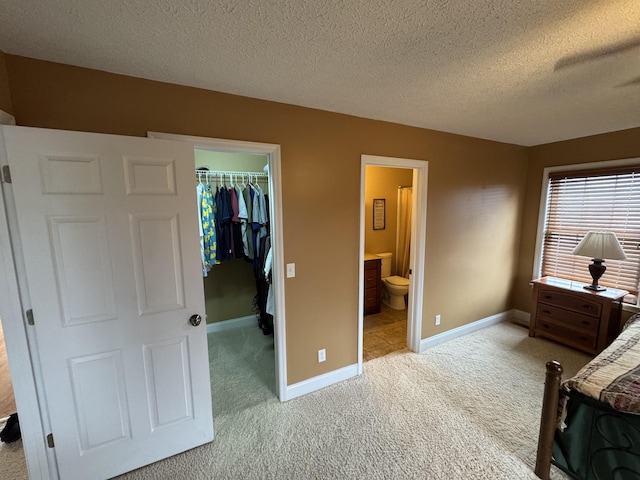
pixel 392 246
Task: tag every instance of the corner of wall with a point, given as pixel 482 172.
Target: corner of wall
pixel 5 92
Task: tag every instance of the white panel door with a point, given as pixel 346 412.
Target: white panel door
pixel 108 226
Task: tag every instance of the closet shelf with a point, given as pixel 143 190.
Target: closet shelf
pixel 226 172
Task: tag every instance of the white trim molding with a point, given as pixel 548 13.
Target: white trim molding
pixel 321 381
pixel 464 330
pixel 25 376
pixel 240 322
pixel 520 317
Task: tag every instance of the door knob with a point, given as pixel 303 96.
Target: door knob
pixel 195 320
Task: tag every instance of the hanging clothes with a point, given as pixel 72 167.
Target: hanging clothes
pixel 199 192
pixel 208 228
pixel 259 221
pixel 234 223
pixel 237 246
pixel 243 218
pixel 269 307
pixel 247 237
pixel 265 320
pixel 222 219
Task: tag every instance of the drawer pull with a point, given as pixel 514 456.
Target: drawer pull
pixel 585 322
pixel 588 307
pixel 547 312
pixel 548 297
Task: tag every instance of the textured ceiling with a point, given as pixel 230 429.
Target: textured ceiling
pixel 518 71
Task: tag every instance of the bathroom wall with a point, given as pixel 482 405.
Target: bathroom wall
pixel 383 182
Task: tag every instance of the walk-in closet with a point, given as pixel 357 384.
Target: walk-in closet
pixel 233 192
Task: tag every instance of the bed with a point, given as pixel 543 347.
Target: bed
pixel 590 423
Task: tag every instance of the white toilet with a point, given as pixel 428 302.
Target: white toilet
pixel 394 287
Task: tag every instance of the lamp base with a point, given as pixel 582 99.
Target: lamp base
pixel 596 288
pixel 596 269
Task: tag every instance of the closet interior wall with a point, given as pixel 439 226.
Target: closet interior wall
pixel 230 286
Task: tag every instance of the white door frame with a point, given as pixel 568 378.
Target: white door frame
pixel 272 151
pixel 418 243
pixel 34 422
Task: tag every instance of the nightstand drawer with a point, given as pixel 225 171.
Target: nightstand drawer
pixel 569 318
pixel 570 301
pixel 554 331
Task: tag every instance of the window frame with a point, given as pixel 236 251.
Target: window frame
pixel 542 211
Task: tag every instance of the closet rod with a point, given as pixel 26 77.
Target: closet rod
pixel 225 172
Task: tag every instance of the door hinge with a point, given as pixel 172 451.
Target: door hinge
pixel 50 443
pixel 410 271
pixel 6 174
pixel 30 320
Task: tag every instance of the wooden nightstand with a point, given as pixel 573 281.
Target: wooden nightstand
pixel 564 311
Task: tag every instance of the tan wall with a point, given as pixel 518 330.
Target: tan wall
pixel 383 182
pixel 5 94
pixel 475 194
pixel 610 146
pixel 229 290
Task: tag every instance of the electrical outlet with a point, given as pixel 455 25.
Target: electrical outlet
pixel 437 320
pixel 322 355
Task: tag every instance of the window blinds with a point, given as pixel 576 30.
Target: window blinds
pixel 579 201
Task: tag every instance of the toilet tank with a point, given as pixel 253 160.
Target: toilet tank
pixel 386 263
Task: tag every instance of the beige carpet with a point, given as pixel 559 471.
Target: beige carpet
pixel 12 464
pixel 467 409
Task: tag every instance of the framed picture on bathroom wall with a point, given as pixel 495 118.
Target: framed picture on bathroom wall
pixel 378 213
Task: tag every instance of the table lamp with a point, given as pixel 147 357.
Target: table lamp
pixel 598 246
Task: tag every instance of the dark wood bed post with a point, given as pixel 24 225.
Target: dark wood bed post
pixel 548 419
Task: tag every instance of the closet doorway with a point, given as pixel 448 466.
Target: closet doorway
pixel 241 351
pixel 396 210
pixel 236 275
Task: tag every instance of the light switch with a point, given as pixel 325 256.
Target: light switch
pixel 291 270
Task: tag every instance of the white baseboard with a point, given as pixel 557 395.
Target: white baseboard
pixel 249 321
pixel 329 378
pixel 463 330
pixel 520 317
pixel 321 381
pixel 6 118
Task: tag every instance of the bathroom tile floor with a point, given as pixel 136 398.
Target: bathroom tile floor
pixel 384 332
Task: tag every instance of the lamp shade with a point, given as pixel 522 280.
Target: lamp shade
pixel 602 245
